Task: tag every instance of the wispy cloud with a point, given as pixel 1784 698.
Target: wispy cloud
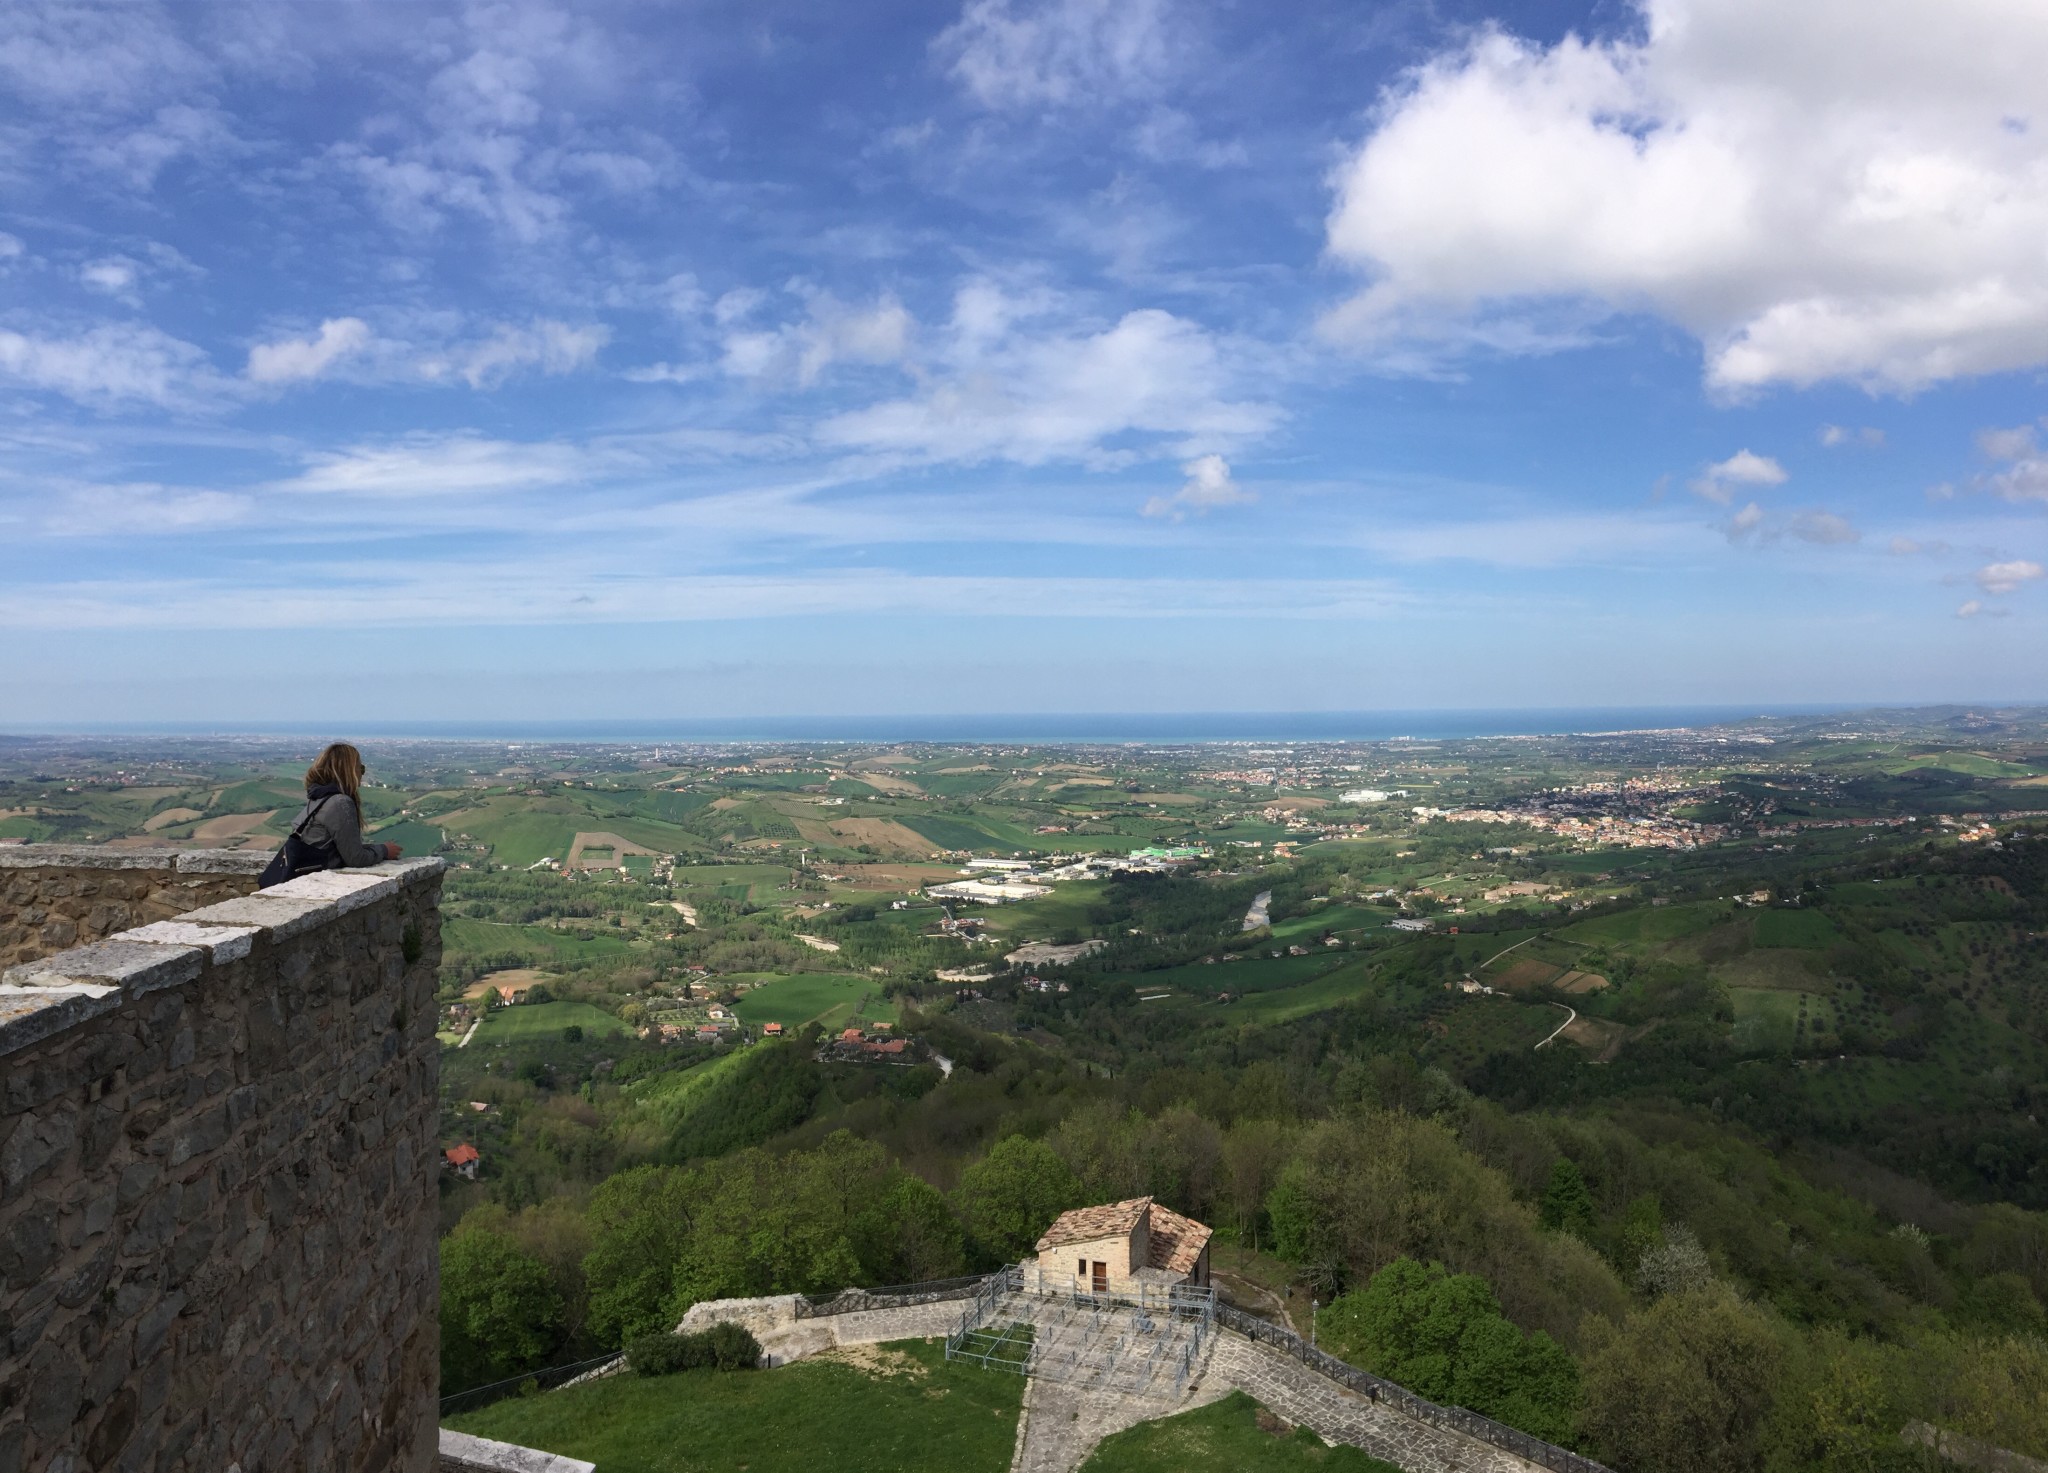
pixel 1209 485
pixel 1717 483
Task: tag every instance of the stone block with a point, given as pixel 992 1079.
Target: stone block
pixel 221 943
pixel 28 1015
pixel 135 966
pixel 346 889
pixel 282 917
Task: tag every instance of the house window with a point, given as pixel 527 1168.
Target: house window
pixel 1080 1270
pixel 1099 1284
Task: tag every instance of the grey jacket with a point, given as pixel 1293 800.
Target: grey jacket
pixel 339 822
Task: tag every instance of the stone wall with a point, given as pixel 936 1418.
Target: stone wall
pixel 218 1180
pixel 55 896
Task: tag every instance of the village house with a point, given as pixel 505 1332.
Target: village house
pixel 462 1160
pixel 771 1030
pixel 1118 1247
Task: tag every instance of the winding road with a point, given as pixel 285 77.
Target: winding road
pixel 1573 1018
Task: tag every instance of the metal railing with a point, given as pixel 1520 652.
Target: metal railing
pixel 887 1296
pixel 546 1380
pixel 1406 1402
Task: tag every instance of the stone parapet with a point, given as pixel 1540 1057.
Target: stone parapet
pixel 461 1453
pixel 218 1178
pixel 55 896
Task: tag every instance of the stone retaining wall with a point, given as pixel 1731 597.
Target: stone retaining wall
pixel 461 1453
pixel 55 896
pixel 218 1182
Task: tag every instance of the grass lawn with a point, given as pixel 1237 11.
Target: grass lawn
pixel 1255 974
pixel 822 997
pixel 1223 1437
pixel 952 833
pixel 1770 1019
pixel 491 938
pixel 1283 1004
pixel 1329 918
pixel 1065 909
pixel 1808 929
pixel 1648 924
pixel 413 837
pixel 544 1020
pixel 907 1411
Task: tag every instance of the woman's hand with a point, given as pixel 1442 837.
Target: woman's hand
pixel 392 851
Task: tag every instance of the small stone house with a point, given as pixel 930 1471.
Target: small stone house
pixel 1119 1246
pixel 463 1160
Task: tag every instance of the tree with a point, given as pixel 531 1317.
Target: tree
pixel 1010 1197
pixel 1443 1336
pixel 640 1222
pixel 499 1313
pixel 1684 1387
pixel 1567 1205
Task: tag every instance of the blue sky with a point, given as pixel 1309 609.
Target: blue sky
pixel 438 362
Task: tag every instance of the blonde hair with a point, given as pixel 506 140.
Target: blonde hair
pixel 340 766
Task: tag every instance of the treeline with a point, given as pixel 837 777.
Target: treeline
pixel 1663 1257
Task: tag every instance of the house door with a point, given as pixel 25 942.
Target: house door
pixel 1098 1281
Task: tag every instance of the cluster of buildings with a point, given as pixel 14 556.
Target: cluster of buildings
pixel 1612 831
pixel 1004 881
pixel 874 1045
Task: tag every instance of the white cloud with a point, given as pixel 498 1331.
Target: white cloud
pixel 111 364
pixel 2006 576
pixel 1834 437
pixel 579 590
pixel 114 276
pixel 1004 385
pixel 2024 477
pixel 1816 191
pixel 1744 522
pixel 1744 468
pixel 1824 528
pixel 1057 53
pixel 1208 485
pixel 2013 444
pixel 439 466
pixel 138 509
pixel 545 345
pixel 291 360
pixel 832 332
pixel 1969 609
pixel 11 246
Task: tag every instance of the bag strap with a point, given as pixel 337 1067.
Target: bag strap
pixel 313 808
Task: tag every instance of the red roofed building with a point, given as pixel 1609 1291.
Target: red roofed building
pixel 462 1160
pixel 1112 1248
pixel 850 1035
pixel 771 1030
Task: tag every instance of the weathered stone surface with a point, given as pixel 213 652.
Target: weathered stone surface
pixel 461 1453
pixel 133 966
pixel 217 1193
pixel 221 943
pixel 54 896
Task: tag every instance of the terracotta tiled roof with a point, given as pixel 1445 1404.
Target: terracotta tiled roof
pixel 1085 1223
pixel 462 1155
pixel 1176 1241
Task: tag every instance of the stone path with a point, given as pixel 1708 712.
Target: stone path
pixel 1285 1386
pixel 1061 1424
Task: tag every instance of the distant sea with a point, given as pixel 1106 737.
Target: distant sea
pixel 1141 727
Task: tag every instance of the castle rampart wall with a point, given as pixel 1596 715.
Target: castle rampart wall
pixel 56 896
pixel 217 1169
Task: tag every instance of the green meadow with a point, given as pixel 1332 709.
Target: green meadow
pixel 913 1412
pixel 528 1021
pixel 825 998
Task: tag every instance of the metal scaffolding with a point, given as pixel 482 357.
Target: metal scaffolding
pixel 1146 1340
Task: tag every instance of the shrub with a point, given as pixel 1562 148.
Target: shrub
pixel 723 1347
